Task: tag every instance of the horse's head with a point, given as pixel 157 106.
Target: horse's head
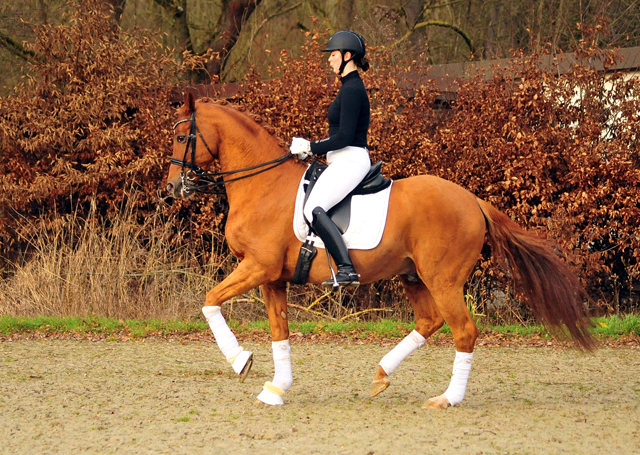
pixel 194 148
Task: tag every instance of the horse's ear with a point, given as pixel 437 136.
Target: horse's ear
pixel 190 103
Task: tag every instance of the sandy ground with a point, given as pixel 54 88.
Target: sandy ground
pixel 181 397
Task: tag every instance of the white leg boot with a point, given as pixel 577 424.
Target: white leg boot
pixel 457 387
pixel 239 359
pixel 273 391
pixel 410 343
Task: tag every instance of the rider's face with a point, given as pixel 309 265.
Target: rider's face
pixel 335 60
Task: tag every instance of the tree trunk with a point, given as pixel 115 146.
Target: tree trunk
pixel 235 16
pixel 117 7
pixel 489 51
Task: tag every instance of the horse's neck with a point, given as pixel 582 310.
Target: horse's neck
pixel 240 149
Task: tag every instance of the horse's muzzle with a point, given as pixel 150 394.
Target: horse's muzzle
pixel 176 189
pixel 171 189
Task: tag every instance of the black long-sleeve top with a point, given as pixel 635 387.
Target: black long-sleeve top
pixel 348 115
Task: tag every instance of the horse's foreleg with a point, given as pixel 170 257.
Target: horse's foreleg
pixel 246 277
pixel 465 333
pixel 239 359
pixel 275 296
pixel 428 320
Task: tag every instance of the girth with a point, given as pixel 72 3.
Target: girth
pixel 373 182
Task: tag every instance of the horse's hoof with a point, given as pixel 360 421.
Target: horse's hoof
pixel 247 368
pixel 379 385
pixel 440 402
pixel 271 395
pixel 262 404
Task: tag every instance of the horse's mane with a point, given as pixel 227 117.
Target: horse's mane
pixel 243 111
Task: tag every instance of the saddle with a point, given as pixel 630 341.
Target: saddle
pixel 340 214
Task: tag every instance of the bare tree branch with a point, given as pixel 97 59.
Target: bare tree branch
pixel 117 7
pixel 420 25
pixel 15 48
pixel 177 7
pixel 267 19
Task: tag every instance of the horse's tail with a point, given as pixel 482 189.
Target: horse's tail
pixel 552 291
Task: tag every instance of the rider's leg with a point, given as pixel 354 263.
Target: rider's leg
pixel 347 168
pixel 333 242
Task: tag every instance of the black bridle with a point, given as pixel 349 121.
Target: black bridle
pixel 197 179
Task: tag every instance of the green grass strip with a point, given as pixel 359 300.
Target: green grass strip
pixel 607 327
pixel 615 326
pixel 519 330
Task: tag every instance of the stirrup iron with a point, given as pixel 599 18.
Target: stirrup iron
pixel 334 284
pixel 334 287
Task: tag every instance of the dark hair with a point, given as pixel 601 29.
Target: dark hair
pixel 362 63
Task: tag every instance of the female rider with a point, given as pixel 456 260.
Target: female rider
pixel 346 149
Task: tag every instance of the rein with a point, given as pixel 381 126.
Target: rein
pixel 191 179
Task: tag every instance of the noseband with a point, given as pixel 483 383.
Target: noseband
pixel 197 179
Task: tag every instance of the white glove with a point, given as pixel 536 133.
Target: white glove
pixel 300 147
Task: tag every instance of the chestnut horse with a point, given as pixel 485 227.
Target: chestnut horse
pixel 432 240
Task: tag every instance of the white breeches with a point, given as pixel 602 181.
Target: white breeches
pixel 347 167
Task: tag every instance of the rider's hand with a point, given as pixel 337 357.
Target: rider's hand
pixel 300 147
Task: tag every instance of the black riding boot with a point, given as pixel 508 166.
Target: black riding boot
pixel 333 242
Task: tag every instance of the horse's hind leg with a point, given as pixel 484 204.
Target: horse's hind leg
pixel 428 320
pixel 454 310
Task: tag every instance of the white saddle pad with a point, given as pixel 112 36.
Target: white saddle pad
pixel 366 225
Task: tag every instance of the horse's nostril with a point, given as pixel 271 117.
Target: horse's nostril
pixel 170 188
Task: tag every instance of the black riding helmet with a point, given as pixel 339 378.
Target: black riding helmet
pixel 347 40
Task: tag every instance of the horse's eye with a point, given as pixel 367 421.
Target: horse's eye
pixel 181 138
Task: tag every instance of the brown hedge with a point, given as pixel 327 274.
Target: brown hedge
pixel 93 119
pixel 89 125
pixel 555 148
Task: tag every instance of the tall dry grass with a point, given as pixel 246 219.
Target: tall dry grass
pixel 115 267
pixel 123 267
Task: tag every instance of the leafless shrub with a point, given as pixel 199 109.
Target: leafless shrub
pixel 114 266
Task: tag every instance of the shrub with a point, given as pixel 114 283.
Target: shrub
pixel 556 150
pixel 91 119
